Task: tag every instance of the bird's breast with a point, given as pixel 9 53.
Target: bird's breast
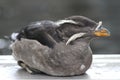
pixel 68 54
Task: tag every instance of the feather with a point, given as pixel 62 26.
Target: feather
pixel 75 36
pixel 60 22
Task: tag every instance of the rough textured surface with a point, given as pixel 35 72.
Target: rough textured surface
pixel 62 61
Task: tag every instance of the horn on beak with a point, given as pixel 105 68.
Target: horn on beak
pixel 99 25
pixel 75 36
pixel 101 31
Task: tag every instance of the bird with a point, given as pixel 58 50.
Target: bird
pixel 57 48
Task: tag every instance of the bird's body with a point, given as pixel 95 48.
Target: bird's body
pixel 62 61
pixel 56 48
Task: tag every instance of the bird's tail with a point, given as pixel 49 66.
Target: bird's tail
pixel 13 36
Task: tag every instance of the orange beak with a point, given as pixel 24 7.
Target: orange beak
pixel 102 33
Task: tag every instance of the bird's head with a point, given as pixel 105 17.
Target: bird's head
pixel 79 27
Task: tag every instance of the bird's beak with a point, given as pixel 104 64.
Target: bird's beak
pixel 101 31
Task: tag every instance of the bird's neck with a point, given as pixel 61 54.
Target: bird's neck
pixel 82 41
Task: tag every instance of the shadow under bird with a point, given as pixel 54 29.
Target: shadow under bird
pixel 57 48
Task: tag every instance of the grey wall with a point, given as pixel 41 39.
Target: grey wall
pixel 15 14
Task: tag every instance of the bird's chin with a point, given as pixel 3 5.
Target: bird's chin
pixel 102 33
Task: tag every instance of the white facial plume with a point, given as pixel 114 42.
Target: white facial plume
pixel 75 36
pixel 60 22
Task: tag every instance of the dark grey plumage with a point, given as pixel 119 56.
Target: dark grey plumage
pixel 59 48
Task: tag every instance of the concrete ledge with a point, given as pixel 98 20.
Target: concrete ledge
pixel 104 67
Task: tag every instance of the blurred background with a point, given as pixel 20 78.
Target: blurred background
pixel 15 14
